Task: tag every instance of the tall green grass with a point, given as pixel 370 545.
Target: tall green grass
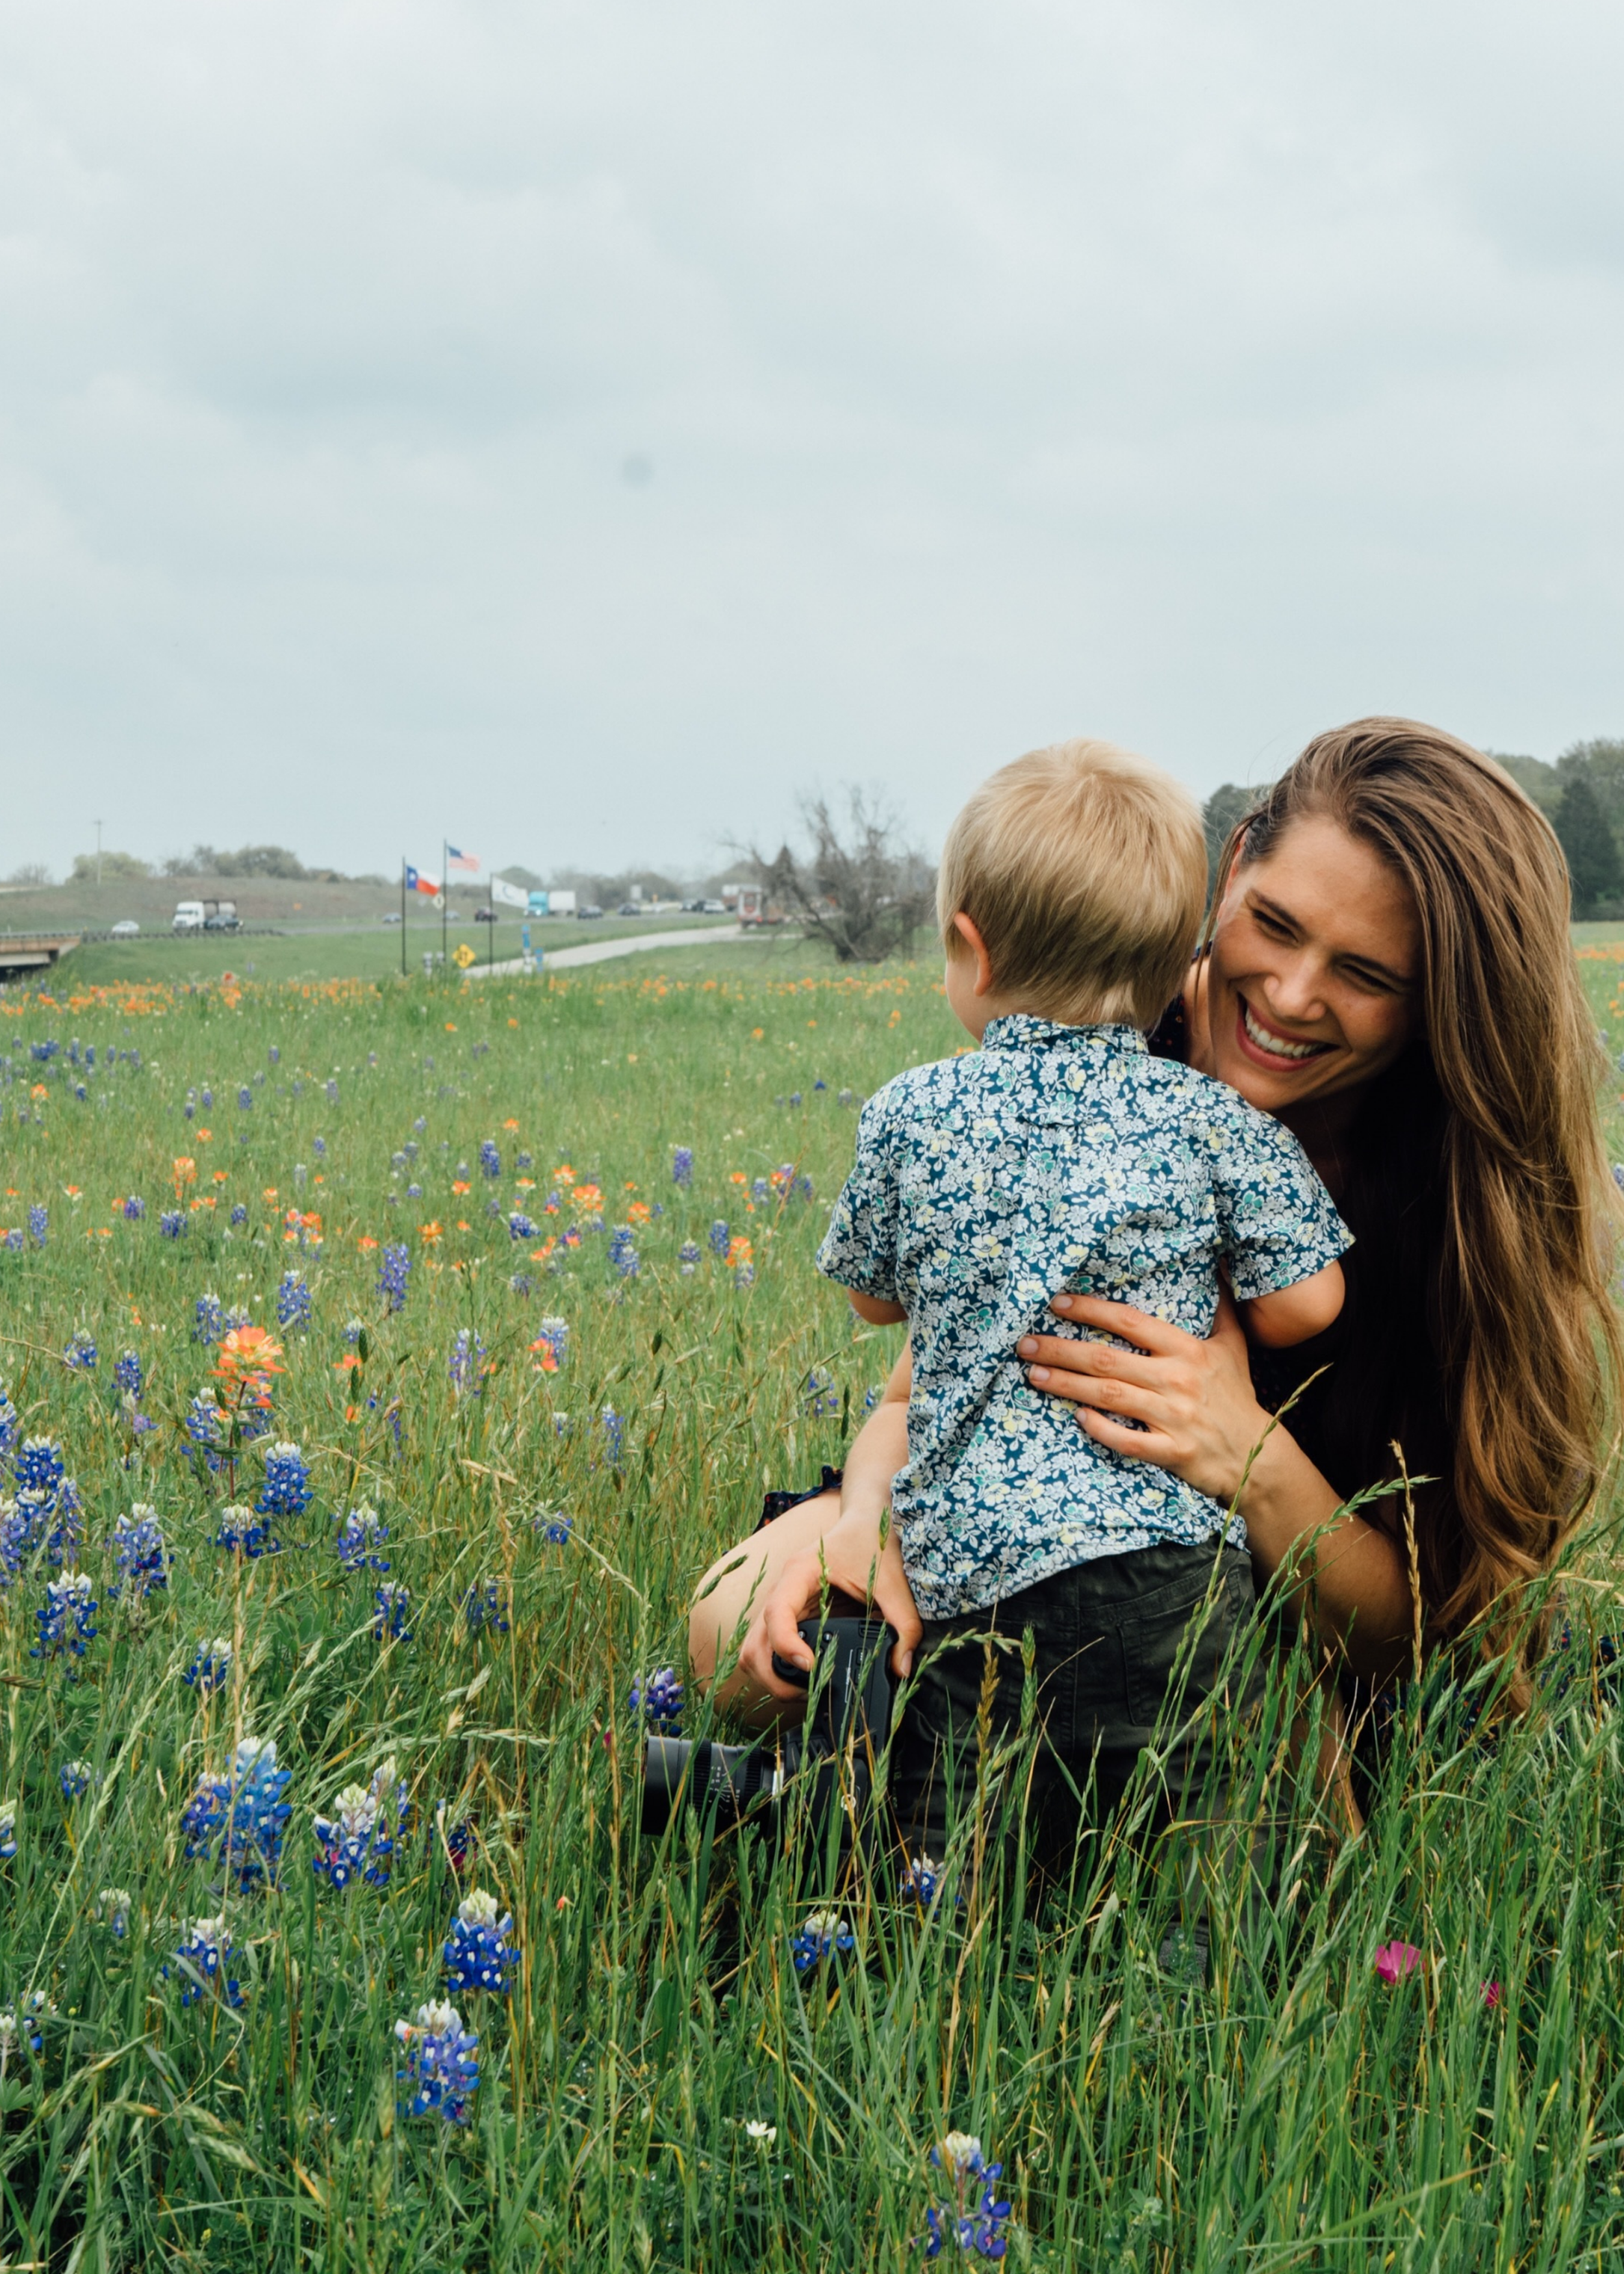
pixel 1276 2104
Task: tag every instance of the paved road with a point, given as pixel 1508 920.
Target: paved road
pixel 599 951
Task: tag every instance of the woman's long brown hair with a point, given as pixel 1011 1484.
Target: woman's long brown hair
pixel 1480 1331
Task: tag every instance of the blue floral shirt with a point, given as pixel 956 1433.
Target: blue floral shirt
pixel 1054 1157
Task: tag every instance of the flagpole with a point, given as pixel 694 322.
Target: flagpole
pixel 445 896
pixel 491 927
pixel 403 915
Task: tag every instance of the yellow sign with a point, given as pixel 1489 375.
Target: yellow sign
pixel 463 956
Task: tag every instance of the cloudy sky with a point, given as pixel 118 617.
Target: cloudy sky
pixel 579 428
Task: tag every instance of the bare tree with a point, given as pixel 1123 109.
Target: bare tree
pixel 860 887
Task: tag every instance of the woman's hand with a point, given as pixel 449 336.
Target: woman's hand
pixel 1202 1419
pixel 850 1557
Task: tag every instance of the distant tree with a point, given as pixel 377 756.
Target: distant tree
pixel 1229 804
pixel 30 873
pixel 860 888
pixel 114 866
pixel 1542 782
pixel 518 875
pixel 1592 854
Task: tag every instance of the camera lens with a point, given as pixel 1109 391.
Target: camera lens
pixel 707 1776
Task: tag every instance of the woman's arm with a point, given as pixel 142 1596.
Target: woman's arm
pixel 1203 1421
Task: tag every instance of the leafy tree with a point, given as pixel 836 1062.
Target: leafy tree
pixel 1542 782
pixel 114 866
pixel 1592 854
pixel 1228 803
pixel 860 888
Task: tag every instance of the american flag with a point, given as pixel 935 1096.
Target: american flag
pixel 455 860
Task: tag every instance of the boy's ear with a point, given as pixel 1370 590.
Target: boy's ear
pixel 965 927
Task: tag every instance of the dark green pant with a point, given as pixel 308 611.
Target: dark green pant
pixel 1105 1638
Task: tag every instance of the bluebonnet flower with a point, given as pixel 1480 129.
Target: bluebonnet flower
pixel 820 1085
pixel 975 2219
pixel 823 1934
pixel 242 1533
pixel 414 1192
pixel 719 1237
pixel 520 1226
pixel 318 1146
pixel 36 2010
pixel 439 2067
pixel 361 1837
pixel 293 1302
pixel 38 1465
pixel 245 1097
pixel 920 1880
pixel 8 1830
pixel 205 1428
pixel 128 1373
pixel 172 1223
pixel 393 1603
pixel 466 1363
pixel 43 1517
pixel 113 1906
pixel 241 1814
pixel 76 1779
pixel 478 1955
pixel 67 1617
pixel 794 1097
pixel 9 1423
pixel 44 1052
pixel 760 1191
pixel 13 1241
pixel 203 1959
pixel 300 1173
pixel 354 1328
pixel 80 1353
pixel 682 1165
pixel 331 1088
pixel 659 1697
pixel 819 1396
pixel 871 1396
pixel 208 1100
pixel 207 1320
pixel 288 1489
pixel 39 1223
pixel 623 1251
pixel 522 1161
pixel 135 1209
pixel 553 1340
pixel 614 1435
pixel 490 1159
pixel 81 1093
pixel 361 1534
pixel 211 1665
pixel 239 1214
pixel 482 1606
pixel 139 1552
pixel 522 1284
pixel 687 1258
pixel 555 1529
pixel 392 1273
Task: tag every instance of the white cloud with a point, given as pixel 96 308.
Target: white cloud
pixel 1197 372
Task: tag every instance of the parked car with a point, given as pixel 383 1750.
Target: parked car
pixel 629 908
pixel 712 907
pixel 590 909
pixel 126 928
pixel 188 916
pixel 221 915
pixel 485 916
pixel 391 916
pixel 693 907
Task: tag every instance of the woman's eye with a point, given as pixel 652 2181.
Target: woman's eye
pixel 1274 925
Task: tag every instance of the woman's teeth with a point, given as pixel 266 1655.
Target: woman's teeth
pixel 1277 1045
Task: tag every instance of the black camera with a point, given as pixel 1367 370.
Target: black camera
pixel 836 1746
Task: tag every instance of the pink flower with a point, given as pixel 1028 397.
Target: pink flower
pixel 1395 1960
pixel 1492 1995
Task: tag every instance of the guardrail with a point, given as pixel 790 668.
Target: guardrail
pixel 97 939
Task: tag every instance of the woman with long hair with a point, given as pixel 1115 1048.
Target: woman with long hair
pixel 1389 972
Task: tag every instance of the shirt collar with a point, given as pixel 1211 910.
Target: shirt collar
pixel 1017 1031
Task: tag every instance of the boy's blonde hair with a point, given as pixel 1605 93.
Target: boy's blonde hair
pixel 1083 868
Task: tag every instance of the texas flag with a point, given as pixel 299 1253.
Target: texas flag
pixel 455 860
pixel 416 882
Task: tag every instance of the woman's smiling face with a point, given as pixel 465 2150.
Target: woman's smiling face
pixel 1312 984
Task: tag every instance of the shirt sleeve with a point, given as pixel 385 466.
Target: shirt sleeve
pixel 860 1247
pixel 1277 1223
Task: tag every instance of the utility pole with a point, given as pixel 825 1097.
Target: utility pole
pixel 445 900
pixel 98 856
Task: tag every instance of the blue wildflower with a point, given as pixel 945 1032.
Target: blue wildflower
pixel 208 1100
pixel 820 1085
pixel 288 1489
pixel 490 1159
pixel 9 1424
pixel 389 1619
pixel 522 1284
pixel 614 1435
pixel 520 1227
pixel 242 1533
pixel 659 1697
pixel 139 1552
pixel 203 1959
pixel 821 1937
pixel 80 1352
pixel 113 1909
pixel 920 1880
pixel 478 1955
pixel 245 1097
pixel 75 1778
pixel 361 1837
pixel 555 1529
pixel 466 1363
pixel 623 1251
pixel 67 1617
pixel 207 1320
pixel 135 1209
pixel 682 1165
pixel 331 1088
pixel 318 1146
pixel 206 1429
pixel 38 1465
pixel 8 1830
pixel 211 1664
pixel 439 2067
pixel 293 1302
pixel 239 1214
pixel 361 1534
pixel 241 1815
pixel 392 1276
pixel 688 1256
pixel 13 1238
pixel 172 1223
pixel 818 1395
pixel 39 1223
pixel 719 1237
pixel 975 2219
pixel 845 1097
pixel 552 1341
pixel 482 1606
pixel 129 1375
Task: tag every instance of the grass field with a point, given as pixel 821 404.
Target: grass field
pixel 662 2087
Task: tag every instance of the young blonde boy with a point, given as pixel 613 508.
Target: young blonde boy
pixel 1063 1155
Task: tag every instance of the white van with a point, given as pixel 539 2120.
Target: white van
pixel 188 916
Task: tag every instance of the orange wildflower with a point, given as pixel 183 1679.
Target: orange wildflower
pixel 639 1211
pixel 461 1185
pixel 39 1090
pixel 186 1172
pixel 206 1136
pixel 269 1192
pixel 587 1199
pixel 366 1240
pixel 72 1191
pixel 510 1125
pixel 248 1352
pixel 347 1365
pixel 563 1174
pixel 429 1231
